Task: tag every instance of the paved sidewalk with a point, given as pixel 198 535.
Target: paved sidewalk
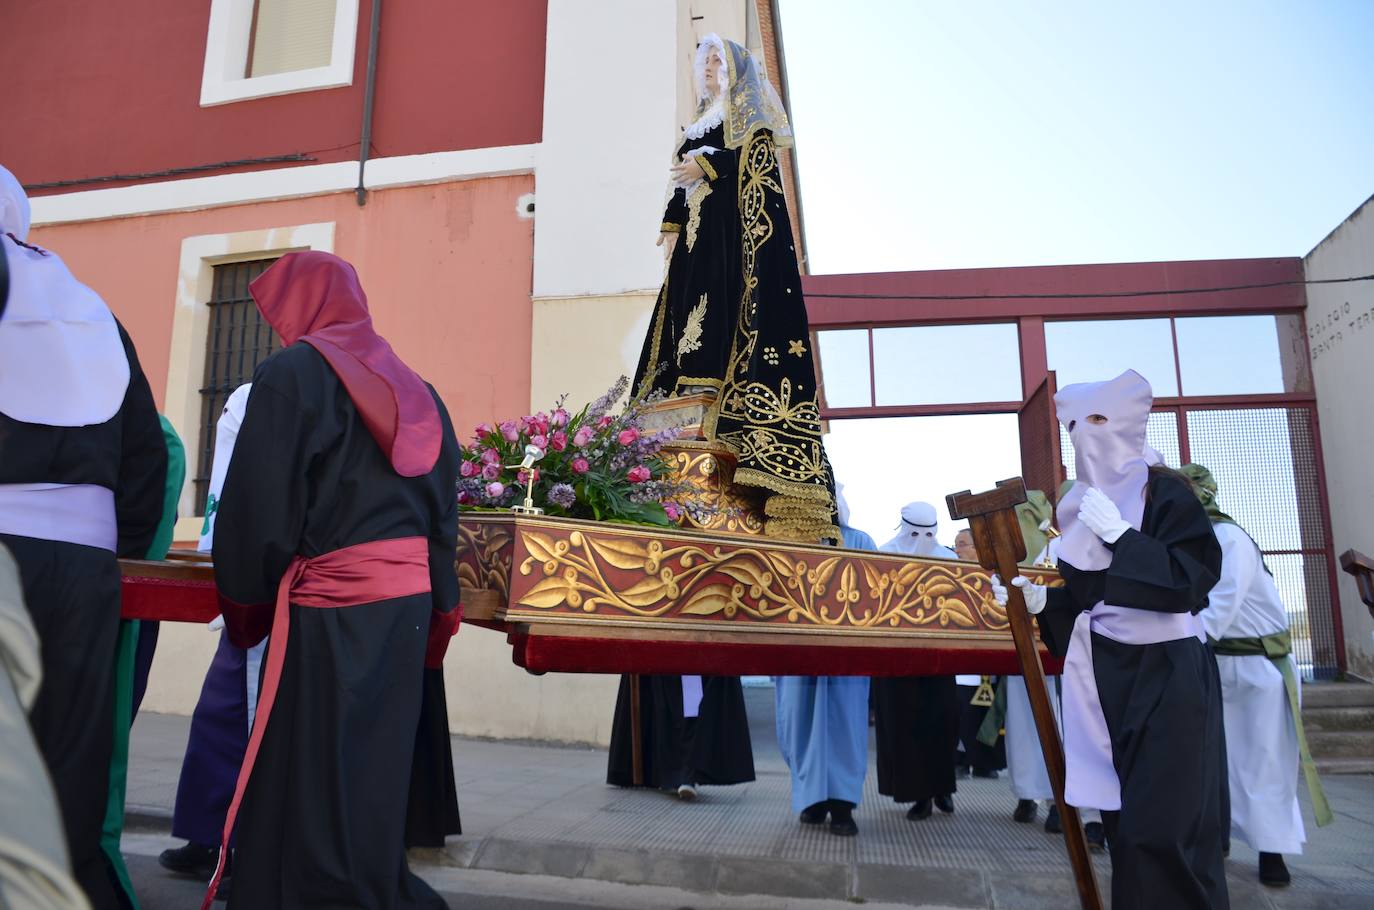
pixel 541 810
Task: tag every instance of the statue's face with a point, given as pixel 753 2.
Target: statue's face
pixel 715 68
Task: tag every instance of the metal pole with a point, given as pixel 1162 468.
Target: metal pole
pixel 369 94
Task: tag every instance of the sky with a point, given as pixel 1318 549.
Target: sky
pixel 935 135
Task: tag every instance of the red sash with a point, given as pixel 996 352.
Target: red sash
pixel 361 574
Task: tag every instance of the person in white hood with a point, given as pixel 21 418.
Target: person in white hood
pixel 917 716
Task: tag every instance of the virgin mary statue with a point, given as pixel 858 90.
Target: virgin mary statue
pixel 730 317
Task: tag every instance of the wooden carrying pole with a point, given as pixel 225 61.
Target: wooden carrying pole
pixel 997 537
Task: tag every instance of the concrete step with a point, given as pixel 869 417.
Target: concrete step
pixel 1338 695
pixel 1344 766
pixel 1328 719
pixel 1342 744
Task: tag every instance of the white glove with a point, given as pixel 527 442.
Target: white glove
pixel 216 624
pixel 1101 515
pixel 1034 594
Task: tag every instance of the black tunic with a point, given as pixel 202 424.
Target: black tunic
pixel 323 819
pixel 1162 703
pixel 976 754
pixel 712 748
pixel 72 594
pixel 730 316
pixel 917 730
pixel 432 807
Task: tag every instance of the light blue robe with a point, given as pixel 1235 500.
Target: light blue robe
pixel 823 726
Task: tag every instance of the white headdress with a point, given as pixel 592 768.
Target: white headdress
pixel 916 533
pixel 62 362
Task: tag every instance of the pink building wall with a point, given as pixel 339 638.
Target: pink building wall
pixel 447 269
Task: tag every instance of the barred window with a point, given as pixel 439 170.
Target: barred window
pixel 238 340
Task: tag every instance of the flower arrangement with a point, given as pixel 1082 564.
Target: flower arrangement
pixel 596 464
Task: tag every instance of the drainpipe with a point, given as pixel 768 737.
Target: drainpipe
pixel 369 94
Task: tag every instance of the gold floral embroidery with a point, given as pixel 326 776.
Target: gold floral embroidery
pixel 796 347
pixel 694 200
pixel 691 335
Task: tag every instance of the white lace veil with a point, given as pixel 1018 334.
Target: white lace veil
pixel 750 103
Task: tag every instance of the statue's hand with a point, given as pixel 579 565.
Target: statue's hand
pixel 667 240
pixel 689 170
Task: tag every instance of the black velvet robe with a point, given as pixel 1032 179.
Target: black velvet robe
pixel 917 731
pixel 1162 703
pixel 976 754
pixel 432 806
pixel 323 819
pixel 730 316
pixel 713 748
pixel 72 594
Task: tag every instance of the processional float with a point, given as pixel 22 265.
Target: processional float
pixel 714 596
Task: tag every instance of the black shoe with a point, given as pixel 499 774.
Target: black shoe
pixel 945 803
pixel 985 773
pixel 1096 836
pixel 842 819
pixel 1273 871
pixel 919 810
pixel 195 860
pixel 1052 824
pixel 1026 810
pixel 961 772
pixel 814 815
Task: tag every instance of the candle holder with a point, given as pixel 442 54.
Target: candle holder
pixel 532 454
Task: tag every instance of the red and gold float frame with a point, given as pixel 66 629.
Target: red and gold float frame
pixel 578 596
pixel 594 597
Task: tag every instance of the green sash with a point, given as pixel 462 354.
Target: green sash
pixel 1276 647
pixel 995 721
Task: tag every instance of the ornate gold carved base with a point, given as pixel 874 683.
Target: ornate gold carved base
pixel 718 504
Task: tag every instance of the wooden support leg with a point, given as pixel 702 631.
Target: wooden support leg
pixel 637 738
pixel 997 536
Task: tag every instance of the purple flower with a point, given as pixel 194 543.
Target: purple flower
pixel 563 495
pixel 559 418
pixel 468 469
pixel 583 436
pixel 491 471
pixel 495 490
pixel 491 456
pixel 540 440
pixel 510 430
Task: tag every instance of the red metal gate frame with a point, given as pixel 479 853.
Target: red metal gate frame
pixel 893 299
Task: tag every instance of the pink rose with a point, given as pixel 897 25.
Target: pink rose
pixel 510 431
pixel 673 511
pixel 491 471
pixel 495 489
pixel 524 476
pixel 483 430
pixel 604 422
pixel 468 469
pixel 558 441
pixel 491 456
pixel 540 440
pixel 581 465
pixel 559 418
pixel 583 436
pixel 464 498
pixel 638 474
pixel 628 436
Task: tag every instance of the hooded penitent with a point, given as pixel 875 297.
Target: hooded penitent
pixel 55 328
pixel 916 532
pixel 316 298
pixel 1106 421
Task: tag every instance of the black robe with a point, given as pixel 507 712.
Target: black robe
pixel 730 316
pixel 916 726
pixel 712 748
pixel 72 594
pixel 323 819
pixel 432 806
pixel 1162 703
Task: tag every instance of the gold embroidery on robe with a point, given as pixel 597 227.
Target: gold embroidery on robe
pixel 691 335
pixel 694 200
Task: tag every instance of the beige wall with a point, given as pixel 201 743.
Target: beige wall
pixel 1340 320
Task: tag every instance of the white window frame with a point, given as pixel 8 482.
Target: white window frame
pixel 191 327
pixel 226 56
